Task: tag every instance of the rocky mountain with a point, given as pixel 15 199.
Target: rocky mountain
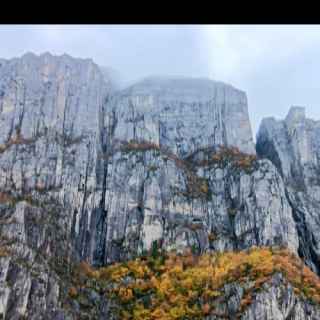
pixel 50 109
pixel 293 145
pixel 91 174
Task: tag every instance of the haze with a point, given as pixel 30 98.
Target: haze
pixel 277 66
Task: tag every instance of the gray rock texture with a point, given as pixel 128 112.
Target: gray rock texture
pixel 87 173
pixel 162 182
pixel 278 301
pixel 185 114
pixel 49 137
pixel 293 145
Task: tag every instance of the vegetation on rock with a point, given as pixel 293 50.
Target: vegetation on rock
pixel 170 286
pixel 197 187
pixel 4 252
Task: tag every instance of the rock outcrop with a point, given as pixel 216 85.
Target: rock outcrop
pixel 184 114
pixel 278 301
pixel 293 145
pixel 90 174
pixel 49 136
pixel 181 170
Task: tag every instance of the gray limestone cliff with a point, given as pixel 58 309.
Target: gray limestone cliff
pixel 49 137
pixel 185 114
pixel 181 169
pixel 87 173
pixel 293 145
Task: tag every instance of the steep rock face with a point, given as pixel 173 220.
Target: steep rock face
pixel 278 301
pixel 293 145
pixel 184 114
pixel 49 137
pixel 89 176
pixel 181 170
pixel 208 207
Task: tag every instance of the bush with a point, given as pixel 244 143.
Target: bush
pixel 171 286
pixel 4 252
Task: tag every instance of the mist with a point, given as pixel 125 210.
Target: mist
pixel 277 66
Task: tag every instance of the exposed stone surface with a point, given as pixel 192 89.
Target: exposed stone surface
pixel 184 114
pixel 49 136
pixel 293 145
pixel 89 175
pixel 159 186
pixel 278 301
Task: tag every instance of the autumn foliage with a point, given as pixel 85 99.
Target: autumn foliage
pixel 4 252
pixel 227 155
pixel 188 287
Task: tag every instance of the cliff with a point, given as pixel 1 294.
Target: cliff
pixel 91 174
pixel 293 146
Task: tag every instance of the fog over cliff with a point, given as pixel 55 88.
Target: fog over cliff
pixel 277 66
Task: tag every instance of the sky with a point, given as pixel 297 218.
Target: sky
pixel 278 66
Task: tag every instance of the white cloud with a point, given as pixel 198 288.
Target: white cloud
pixel 278 66
pixel 236 51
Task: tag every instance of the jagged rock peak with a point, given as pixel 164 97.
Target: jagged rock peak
pixel 48 55
pixel 294 137
pixel 293 146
